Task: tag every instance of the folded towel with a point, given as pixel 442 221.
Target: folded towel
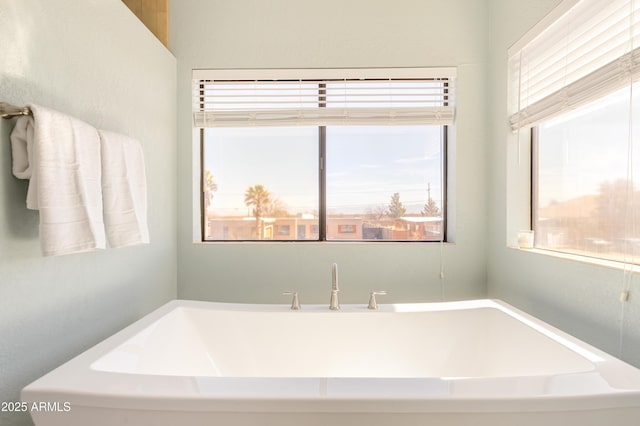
pixel 124 190
pixel 60 155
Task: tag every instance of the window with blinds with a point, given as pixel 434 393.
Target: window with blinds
pixel 316 155
pixel 222 99
pixel 574 82
pixel 592 50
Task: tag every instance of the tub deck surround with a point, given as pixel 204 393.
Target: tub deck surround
pixel 458 363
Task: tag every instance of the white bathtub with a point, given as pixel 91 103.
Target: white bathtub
pixel 461 363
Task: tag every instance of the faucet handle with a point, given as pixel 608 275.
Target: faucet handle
pixel 295 302
pixel 372 299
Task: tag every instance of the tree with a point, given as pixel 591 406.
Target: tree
pixel 276 208
pixel 396 209
pixel 618 210
pixel 431 208
pixel 258 197
pixel 377 213
pixel 209 186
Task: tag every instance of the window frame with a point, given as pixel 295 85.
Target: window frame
pixel 439 113
pixel 533 201
pixel 322 196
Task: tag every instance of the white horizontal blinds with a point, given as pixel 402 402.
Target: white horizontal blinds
pixel 331 101
pixel 590 51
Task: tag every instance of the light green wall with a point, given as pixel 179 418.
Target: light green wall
pixel 93 60
pixel 337 33
pixel 579 298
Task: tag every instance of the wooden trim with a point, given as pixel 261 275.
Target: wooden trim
pixel 154 14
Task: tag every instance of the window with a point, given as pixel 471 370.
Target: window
pixel 254 177
pixel 323 159
pixel 575 87
pixel 383 179
pixel 587 200
pixel 347 229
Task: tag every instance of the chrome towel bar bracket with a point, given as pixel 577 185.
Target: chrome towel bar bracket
pixel 10 111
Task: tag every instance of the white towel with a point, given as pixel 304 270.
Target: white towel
pixel 124 190
pixel 22 148
pixel 60 155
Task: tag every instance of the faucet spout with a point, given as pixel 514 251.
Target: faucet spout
pixel 334 303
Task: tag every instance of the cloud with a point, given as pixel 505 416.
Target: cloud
pixel 414 160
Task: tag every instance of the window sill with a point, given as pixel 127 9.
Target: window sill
pixel 322 243
pixel 593 261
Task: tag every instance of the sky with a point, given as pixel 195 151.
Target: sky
pixel 589 146
pixel 365 166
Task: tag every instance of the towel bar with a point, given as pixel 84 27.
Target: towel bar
pixel 10 111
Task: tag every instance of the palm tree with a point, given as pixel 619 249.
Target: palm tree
pixel 258 197
pixel 209 187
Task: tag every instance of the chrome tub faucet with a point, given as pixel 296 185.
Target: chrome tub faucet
pixel 334 304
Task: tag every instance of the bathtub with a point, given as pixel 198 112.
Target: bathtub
pixel 478 363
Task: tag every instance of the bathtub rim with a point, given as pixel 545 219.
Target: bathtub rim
pixel 94 388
